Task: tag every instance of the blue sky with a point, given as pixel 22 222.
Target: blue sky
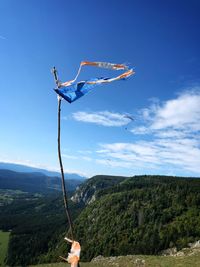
pixel 160 39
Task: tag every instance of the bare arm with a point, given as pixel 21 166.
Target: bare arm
pixel 69 240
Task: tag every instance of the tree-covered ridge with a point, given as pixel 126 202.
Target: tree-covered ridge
pixel 141 215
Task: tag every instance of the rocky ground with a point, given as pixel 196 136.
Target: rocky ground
pixel 187 257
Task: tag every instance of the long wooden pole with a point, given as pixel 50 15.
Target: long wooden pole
pixel 62 174
pixel 60 161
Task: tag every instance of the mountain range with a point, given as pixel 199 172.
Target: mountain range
pixel 28 179
pixel 27 169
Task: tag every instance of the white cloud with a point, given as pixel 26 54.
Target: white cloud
pixel 140 130
pixel 77 157
pixel 69 156
pixel 87 158
pixel 85 152
pixel 104 118
pixel 169 134
pixel 156 154
pixel 136 153
pixel 182 113
pixel 113 163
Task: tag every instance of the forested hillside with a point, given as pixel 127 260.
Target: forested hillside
pixel 141 215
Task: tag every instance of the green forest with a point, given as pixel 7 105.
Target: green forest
pixel 135 215
pixel 37 223
pixel 141 215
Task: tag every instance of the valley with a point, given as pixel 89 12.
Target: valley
pixel 113 216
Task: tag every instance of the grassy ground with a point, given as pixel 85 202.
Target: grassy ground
pixel 139 261
pixel 4 237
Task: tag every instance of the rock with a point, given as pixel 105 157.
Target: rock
pixel 180 254
pixel 98 258
pixel 139 262
pixel 169 252
pixel 195 244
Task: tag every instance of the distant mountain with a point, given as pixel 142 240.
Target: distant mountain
pixel 27 169
pixel 34 182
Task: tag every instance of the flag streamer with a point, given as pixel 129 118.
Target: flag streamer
pixel 72 90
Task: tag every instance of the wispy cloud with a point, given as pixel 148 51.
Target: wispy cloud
pixel 104 118
pixel 179 114
pixel 85 152
pixel 69 156
pixel 133 153
pixel 114 163
pixel 86 158
pixel 183 154
pixel 182 113
pixel 2 37
pixel 169 137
